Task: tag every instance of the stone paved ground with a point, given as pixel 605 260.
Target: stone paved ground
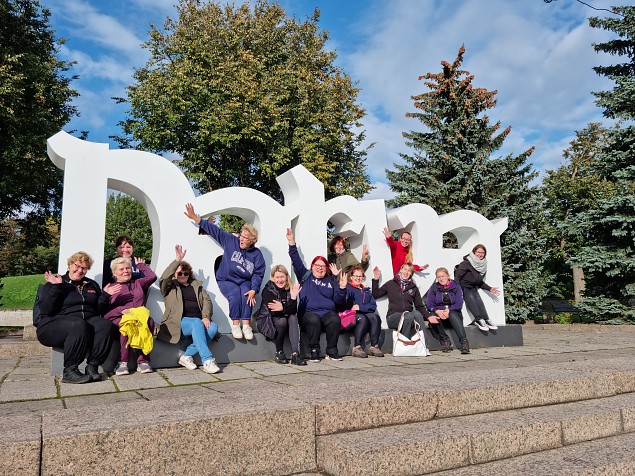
pixel 26 385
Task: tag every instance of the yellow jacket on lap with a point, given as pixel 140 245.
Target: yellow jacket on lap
pixel 134 324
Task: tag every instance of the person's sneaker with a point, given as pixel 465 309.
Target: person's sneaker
pixel 446 345
pixel 73 375
pixel 236 332
pixel 358 352
pixel 210 366
pixel 296 359
pixel 335 357
pixel 281 358
pixel 92 370
pixel 144 368
pixel 188 362
pixel 248 332
pixel 315 355
pixel 480 323
pixel 375 351
pixel 491 325
pixel 465 347
pixel 122 368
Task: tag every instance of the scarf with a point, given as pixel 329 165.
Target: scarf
pixel 479 265
pixel 403 282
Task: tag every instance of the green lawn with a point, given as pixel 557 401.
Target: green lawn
pixel 19 292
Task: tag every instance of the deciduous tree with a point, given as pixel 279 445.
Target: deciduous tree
pixel 126 216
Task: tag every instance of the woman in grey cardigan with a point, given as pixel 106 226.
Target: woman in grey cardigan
pixel 188 312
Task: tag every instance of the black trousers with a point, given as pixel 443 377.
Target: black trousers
pixel 286 325
pixel 313 325
pixel 79 338
pixel 475 304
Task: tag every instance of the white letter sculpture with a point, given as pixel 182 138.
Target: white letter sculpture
pixel 90 169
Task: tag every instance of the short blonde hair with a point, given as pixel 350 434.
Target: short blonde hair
pixel 409 267
pixel 278 268
pixel 81 257
pixel 442 270
pixel 117 261
pixel 252 231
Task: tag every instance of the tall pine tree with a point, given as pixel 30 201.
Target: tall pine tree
pixel 608 258
pixel 453 168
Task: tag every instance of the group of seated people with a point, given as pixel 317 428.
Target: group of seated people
pixel 75 313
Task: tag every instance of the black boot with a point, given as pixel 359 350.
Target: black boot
pixel 296 359
pixel 465 346
pixel 281 358
pixel 73 375
pixel 92 370
pixel 446 345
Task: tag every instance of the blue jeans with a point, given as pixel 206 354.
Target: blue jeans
pixel 193 326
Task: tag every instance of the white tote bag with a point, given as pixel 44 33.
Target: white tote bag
pixel 404 347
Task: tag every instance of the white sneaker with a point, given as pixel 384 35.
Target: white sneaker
pixel 188 362
pixel 210 366
pixel 480 323
pixel 491 325
pixel 236 332
pixel 249 334
pixel 122 369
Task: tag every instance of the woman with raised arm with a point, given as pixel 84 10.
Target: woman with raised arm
pixel 69 316
pixel 278 314
pixel 470 275
pixel 445 301
pixel 239 273
pixel 319 297
pixel 343 258
pixel 120 297
pixel 124 249
pixel 367 321
pixel 401 251
pixel 404 299
pixel 188 312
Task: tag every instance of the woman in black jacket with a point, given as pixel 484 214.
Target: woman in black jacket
pixel 470 274
pixel 278 317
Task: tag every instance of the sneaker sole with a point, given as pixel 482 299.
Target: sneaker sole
pixel 188 368
pixel 119 374
pixel 334 360
pixel 146 371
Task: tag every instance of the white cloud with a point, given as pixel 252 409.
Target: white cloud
pixel 381 191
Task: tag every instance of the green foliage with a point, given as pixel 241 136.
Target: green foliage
pixel 243 94
pixel 34 104
pixel 18 292
pixel 126 216
pixel 571 189
pixel 29 246
pixel 608 256
pixel 452 168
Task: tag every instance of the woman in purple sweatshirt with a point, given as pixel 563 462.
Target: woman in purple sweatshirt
pixel 239 273
pixel 318 299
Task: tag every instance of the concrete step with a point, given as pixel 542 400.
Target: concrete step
pixel 449 443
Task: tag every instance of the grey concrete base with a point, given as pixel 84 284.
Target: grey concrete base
pixel 227 349
pixel 17 318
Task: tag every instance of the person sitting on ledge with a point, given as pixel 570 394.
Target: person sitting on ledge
pixel 401 252
pixel 470 274
pixel 124 294
pixel 124 249
pixel 278 317
pixel 403 298
pixel 319 297
pixel 69 317
pixel 343 257
pixel 445 301
pixel 360 299
pixel 240 271
pixel 188 312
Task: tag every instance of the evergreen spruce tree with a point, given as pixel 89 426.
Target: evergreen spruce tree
pixel 453 168
pixel 608 258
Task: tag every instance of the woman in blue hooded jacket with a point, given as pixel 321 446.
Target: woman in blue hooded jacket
pixel 240 272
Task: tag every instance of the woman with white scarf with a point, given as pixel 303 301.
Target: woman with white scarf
pixel 470 274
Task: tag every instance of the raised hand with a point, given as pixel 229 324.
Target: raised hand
pixel 290 237
pixel 190 213
pixel 139 261
pixel 333 268
pixel 343 280
pixel 376 273
pixel 295 290
pixel 52 278
pixel 387 232
pixel 180 252
pixel 365 253
pixel 112 288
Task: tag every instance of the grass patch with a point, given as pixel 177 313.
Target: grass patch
pixel 19 292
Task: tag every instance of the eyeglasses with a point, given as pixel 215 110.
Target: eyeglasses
pixel 319 266
pixel 248 238
pixel 182 273
pixel 80 267
pixel 358 276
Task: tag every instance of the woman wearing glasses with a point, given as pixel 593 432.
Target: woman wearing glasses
pixel 188 312
pixel 367 321
pixel 239 273
pixel 319 297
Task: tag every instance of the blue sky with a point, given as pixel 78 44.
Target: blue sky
pixel 537 55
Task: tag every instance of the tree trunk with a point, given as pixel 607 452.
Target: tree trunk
pixel 578 283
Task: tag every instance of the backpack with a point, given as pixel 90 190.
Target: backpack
pixel 37 314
